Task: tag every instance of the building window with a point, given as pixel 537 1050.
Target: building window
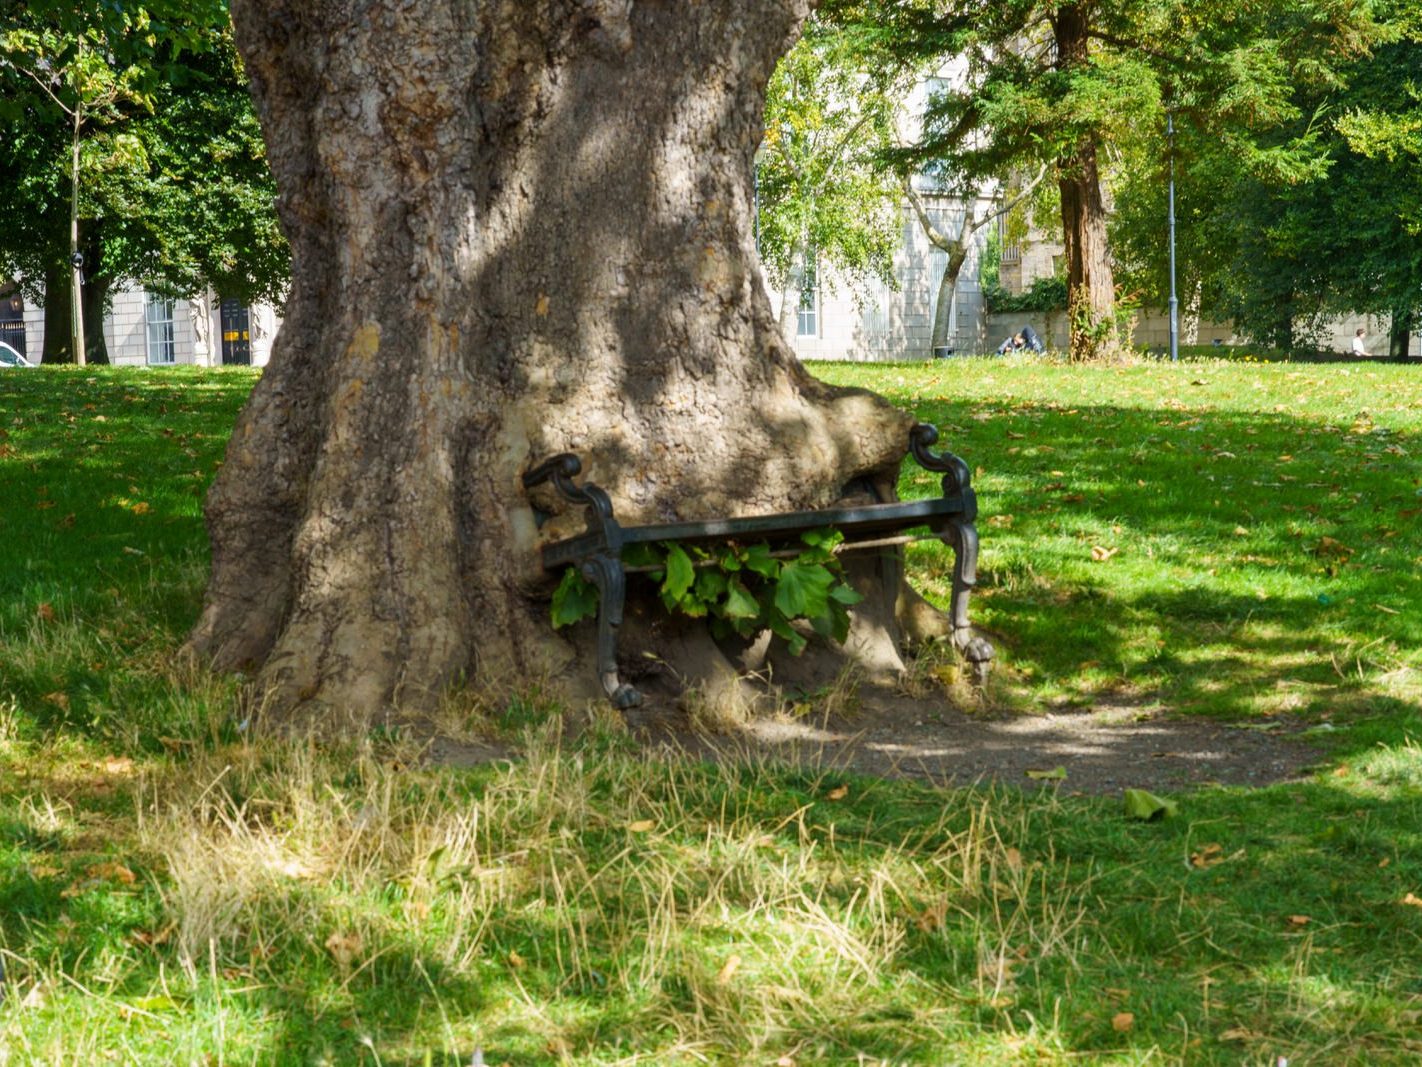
pixel 807 321
pixel 162 347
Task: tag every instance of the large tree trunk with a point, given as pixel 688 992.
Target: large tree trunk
pixel 517 229
pixel 58 316
pixel 1091 288
pixel 1399 336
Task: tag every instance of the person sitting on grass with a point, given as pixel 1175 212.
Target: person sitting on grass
pixel 1030 340
pixel 1012 344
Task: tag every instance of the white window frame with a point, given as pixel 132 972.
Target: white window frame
pixel 807 315
pixel 159 330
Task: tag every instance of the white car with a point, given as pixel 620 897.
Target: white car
pixel 10 358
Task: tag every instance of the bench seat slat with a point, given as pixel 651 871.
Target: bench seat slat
pixel 855 523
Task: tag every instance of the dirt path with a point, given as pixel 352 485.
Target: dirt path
pixel 1102 750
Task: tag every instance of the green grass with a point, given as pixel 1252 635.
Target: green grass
pixel 174 891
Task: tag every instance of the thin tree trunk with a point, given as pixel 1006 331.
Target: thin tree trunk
pixel 1091 289
pixel 516 230
pixel 76 264
pixel 947 296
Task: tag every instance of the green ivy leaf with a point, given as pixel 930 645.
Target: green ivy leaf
pixel 575 598
pixel 780 626
pixel 844 594
pixel 826 537
pixel 710 584
pixel 739 603
pixel 759 559
pixel 680 573
pixel 803 589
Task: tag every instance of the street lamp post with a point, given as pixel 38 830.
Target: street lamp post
pixel 1174 303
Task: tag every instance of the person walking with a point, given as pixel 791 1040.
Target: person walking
pixel 1359 349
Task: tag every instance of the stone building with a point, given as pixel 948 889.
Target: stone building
pixel 146 329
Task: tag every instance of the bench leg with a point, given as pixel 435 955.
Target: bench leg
pixel 962 537
pixel 605 572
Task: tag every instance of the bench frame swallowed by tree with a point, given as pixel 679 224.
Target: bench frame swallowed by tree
pixel 597 552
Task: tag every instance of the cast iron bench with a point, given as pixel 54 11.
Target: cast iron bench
pixel 597 552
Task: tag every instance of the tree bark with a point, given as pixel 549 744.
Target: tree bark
pixel 58 316
pixel 517 229
pixel 1091 287
pixel 1399 336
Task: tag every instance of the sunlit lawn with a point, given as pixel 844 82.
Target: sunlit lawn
pixel 1234 541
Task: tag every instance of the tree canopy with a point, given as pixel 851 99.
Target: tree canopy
pixel 1076 87
pixel 822 193
pixel 147 107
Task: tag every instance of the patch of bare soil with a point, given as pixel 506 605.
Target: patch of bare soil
pixel 1103 749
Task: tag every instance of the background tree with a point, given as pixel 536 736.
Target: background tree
pixel 1056 84
pixel 957 241
pixel 822 194
pixel 516 230
pixel 1273 204
pixel 173 190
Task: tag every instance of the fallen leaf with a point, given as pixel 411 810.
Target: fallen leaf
pixel 641 826
pixel 1147 806
pixel 1238 1033
pixel 1299 920
pixel 1327 547
pixel 541 307
pixel 1013 858
pixel 516 961
pixel 59 700
pixel 120 765
pixel 932 918
pixel 1240 531
pixel 344 948
pixel 1056 774
pixel 1101 554
pixel 839 792
pixel 1412 900
pixel 1209 856
pixel 728 970
pixel 45 611
pixel 1122 1021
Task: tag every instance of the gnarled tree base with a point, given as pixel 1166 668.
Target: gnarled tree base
pixel 517 230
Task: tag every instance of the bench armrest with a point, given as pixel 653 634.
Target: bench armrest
pixel 957 478
pixel 561 470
